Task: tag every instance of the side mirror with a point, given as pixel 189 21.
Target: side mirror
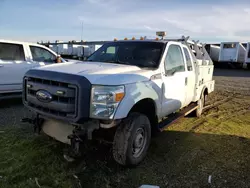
pixel 58 59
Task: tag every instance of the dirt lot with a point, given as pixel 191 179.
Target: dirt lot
pixel 185 155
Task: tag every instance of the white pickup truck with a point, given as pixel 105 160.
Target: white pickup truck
pixel 126 86
pixel 16 58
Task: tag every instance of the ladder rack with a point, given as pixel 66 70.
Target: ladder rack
pixel 198 51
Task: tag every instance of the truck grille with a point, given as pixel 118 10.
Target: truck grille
pixel 63 101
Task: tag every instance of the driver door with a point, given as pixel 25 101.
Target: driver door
pixel 173 80
pixel 42 56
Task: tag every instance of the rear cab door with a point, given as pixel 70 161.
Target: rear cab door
pixel 13 66
pixel 190 78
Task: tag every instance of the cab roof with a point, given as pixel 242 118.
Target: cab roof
pixel 142 41
pixel 19 42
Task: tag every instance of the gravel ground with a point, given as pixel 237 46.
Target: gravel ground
pixel 233 81
pixel 187 154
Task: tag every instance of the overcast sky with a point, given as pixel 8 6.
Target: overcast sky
pixel 209 21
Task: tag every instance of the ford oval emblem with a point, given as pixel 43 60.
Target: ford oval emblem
pixel 43 96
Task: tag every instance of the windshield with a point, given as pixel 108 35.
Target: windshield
pixel 141 54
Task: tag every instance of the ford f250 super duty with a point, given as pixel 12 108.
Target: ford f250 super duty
pixel 128 86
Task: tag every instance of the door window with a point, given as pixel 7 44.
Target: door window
pixel 11 52
pixel 188 60
pixel 107 54
pixel 111 50
pixel 229 45
pixel 42 55
pixel 174 61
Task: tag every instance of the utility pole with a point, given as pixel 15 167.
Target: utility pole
pixel 82 31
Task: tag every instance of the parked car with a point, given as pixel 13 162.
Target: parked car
pixel 16 58
pixel 125 86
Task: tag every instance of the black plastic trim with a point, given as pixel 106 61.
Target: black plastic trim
pixel 82 84
pixel 68 92
pixel 64 107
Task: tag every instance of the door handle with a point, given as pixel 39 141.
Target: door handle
pixel 1 65
pixel 186 81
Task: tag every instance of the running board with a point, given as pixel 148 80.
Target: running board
pixel 176 116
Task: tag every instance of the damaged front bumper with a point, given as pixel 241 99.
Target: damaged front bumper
pixel 68 133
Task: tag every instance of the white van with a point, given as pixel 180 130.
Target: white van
pixel 232 52
pixel 16 58
pixel 247 58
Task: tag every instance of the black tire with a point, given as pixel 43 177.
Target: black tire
pixel 248 66
pixel 133 133
pixel 201 104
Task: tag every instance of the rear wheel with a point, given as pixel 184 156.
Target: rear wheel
pixel 201 104
pixel 132 140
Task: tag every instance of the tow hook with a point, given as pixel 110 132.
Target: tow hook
pixel 75 145
pixel 74 151
pixel 36 122
pixel 78 136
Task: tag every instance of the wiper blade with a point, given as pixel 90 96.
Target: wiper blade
pixel 118 61
pixel 122 62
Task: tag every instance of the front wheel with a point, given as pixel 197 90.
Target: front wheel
pixel 132 140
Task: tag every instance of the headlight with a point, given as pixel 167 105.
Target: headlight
pixel 105 100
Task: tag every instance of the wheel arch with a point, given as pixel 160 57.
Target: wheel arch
pixel 204 91
pixel 139 93
pixel 148 107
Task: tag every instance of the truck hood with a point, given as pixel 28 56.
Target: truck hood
pixel 102 73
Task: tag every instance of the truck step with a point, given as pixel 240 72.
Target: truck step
pixel 173 118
